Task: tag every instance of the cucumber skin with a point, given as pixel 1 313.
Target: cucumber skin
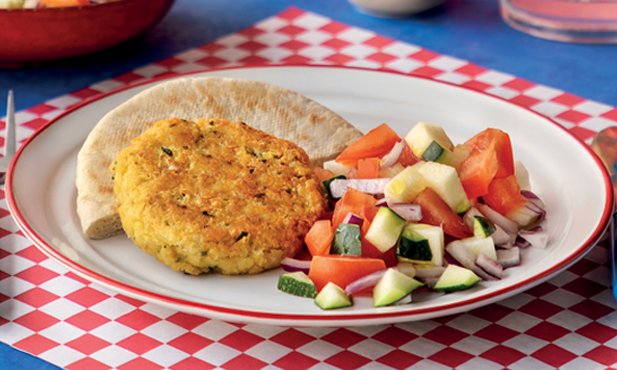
pixel 453 288
pixel 470 279
pixel 417 250
pixel 482 227
pixel 433 152
pixel 288 284
pixel 347 240
pixel 326 184
pixel 434 248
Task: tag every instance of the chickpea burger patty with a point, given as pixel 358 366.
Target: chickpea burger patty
pixel 215 195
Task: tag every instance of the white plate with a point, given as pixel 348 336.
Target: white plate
pixel 564 172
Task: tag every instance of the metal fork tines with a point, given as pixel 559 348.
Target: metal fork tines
pixel 9 138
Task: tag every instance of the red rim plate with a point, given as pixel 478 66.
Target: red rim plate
pixel 272 318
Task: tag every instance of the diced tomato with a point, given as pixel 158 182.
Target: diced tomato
pixel 504 195
pixel 356 202
pixel 499 141
pixel 491 157
pixel 436 212
pixel 370 251
pixel 341 270
pixel 477 171
pixel 319 238
pixel 323 174
pixel 375 143
pixel 407 158
pixel 368 168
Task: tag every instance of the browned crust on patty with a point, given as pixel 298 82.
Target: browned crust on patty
pixel 215 195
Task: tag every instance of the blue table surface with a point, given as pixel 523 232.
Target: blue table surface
pixel 467 29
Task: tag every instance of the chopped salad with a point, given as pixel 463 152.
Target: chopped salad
pixel 414 212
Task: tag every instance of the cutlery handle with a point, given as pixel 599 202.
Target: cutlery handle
pixel 613 245
pixel 10 146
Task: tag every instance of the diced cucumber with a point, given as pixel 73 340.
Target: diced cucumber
pixel 406 185
pixel 422 243
pixel 297 283
pixel 326 184
pixel 457 156
pixel 424 135
pixel 392 287
pixel 444 180
pixel 416 251
pixel 435 152
pixel 332 296
pixel 499 235
pixel 347 240
pixel 456 278
pixel 385 229
pixel 468 217
pixel 482 227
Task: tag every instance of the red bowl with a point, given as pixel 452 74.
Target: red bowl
pixel 29 35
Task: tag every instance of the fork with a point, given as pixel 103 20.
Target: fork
pixel 9 139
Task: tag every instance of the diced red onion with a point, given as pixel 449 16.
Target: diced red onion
pixel 469 215
pixel 353 219
pixel 532 197
pixel 521 243
pixel 393 155
pixel 365 282
pixel 509 257
pixel 292 264
pixel 497 218
pixel 429 272
pixel 501 237
pixel 537 237
pixel 489 265
pixel 383 202
pixel 408 211
pixel 430 281
pixel 528 215
pixel 538 209
pixel 482 274
pixel 337 168
pixel 406 268
pixel 461 254
pixel 509 244
pixel 339 187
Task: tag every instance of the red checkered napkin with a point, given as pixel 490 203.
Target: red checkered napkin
pixel 568 322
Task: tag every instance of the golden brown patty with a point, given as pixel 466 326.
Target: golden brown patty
pixel 215 195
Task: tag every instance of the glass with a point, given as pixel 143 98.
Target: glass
pixel 587 21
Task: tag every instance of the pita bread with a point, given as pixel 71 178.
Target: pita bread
pixel 275 110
